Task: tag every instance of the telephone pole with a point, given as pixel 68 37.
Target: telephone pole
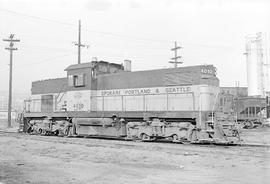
pixel 176 57
pixel 78 44
pixel 11 41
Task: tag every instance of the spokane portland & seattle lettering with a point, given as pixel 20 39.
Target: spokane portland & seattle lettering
pixel 146 91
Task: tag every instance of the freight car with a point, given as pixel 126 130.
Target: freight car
pixel 108 100
pixel 250 111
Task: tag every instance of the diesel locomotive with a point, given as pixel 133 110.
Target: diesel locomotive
pixel 105 99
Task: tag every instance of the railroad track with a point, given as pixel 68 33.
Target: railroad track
pixel 243 144
pixel 243 150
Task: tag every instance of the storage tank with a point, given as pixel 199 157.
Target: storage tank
pixel 254 59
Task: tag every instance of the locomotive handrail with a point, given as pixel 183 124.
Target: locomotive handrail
pixel 214 106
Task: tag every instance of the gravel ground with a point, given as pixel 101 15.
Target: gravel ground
pixel 40 159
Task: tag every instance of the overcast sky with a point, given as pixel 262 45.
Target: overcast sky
pixel 210 32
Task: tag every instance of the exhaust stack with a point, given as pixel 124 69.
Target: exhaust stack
pixel 127 65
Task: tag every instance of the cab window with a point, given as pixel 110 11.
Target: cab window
pixel 76 80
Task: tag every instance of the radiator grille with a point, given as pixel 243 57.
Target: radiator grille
pixel 177 78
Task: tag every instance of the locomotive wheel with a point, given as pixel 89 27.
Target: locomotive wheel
pixel 65 132
pixel 68 132
pixel 30 130
pixel 175 138
pixel 56 132
pixel 43 132
pixel 145 137
pixel 248 124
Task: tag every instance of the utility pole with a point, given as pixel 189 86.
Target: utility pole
pixel 176 57
pixel 78 44
pixel 237 97
pixel 11 49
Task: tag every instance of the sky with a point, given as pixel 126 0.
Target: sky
pixel 143 31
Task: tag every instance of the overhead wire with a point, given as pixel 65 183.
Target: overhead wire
pixel 36 17
pixel 75 26
pixel 41 61
pixel 110 33
pixel 105 33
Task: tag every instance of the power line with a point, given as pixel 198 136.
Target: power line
pixel 36 17
pixel 44 47
pixel 41 49
pixel 42 61
pixel 94 31
pixel 129 36
pixel 110 33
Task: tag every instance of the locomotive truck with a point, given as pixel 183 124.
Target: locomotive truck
pixel 105 99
